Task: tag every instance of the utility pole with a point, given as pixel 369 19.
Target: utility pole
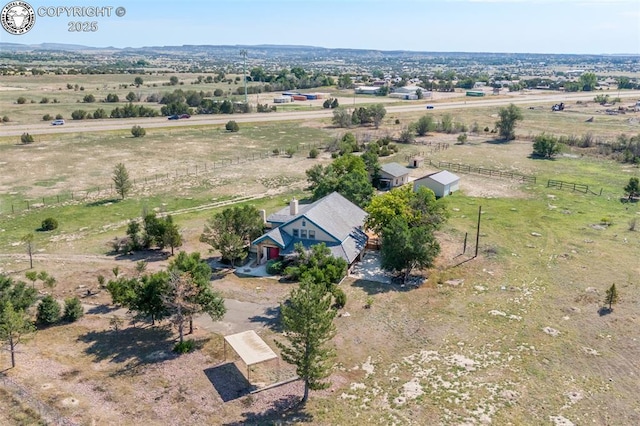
pixel 478 231
pixel 243 53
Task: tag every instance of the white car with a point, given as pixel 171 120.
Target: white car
pixel 57 122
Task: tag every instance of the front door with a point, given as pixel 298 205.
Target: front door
pixel 273 253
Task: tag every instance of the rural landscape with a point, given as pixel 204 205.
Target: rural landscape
pixel 148 207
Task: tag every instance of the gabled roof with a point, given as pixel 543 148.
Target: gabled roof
pixel 394 169
pixel 280 238
pixel 335 215
pixel 444 177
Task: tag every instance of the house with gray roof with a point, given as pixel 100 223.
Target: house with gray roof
pixel 393 175
pixel 332 220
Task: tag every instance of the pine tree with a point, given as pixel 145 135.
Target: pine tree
pixel 121 180
pixel 307 320
pixel 48 311
pixel 611 297
pixel 14 324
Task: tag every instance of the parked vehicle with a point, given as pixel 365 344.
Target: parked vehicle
pixel 184 116
pixel 429 106
pixel 173 117
pixel 57 122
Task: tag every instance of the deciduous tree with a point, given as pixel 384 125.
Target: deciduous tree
pixel 508 116
pixel 232 230
pixel 405 248
pixel 546 146
pixel 307 321
pixel 29 241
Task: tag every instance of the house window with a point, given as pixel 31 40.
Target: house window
pixel 312 234
pixel 295 233
pixel 304 223
pixel 303 233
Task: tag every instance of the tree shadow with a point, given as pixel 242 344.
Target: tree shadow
pixel 145 255
pixel 497 141
pixel 270 319
pixel 228 381
pixel 103 202
pixel 285 410
pixel 132 346
pixel 396 284
pixel 101 309
pixel 603 311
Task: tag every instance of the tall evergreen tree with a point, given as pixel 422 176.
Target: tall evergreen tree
pixel 121 180
pixel 611 296
pixel 14 324
pixel 307 320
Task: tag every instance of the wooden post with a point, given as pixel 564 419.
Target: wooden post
pixel 478 230
pixel 464 249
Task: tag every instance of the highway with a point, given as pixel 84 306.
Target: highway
pixel 528 98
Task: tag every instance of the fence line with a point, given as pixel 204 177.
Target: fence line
pixel 46 412
pixel 107 190
pixel 465 168
pixel 559 184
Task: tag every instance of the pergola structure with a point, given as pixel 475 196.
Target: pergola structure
pixel 251 349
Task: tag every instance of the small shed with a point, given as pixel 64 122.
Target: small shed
pixel 251 349
pixel 393 175
pixel 415 162
pixel 441 183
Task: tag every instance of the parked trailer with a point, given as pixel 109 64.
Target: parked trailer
pixel 299 97
pixel 311 97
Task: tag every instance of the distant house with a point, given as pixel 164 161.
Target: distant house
pixel 441 183
pixel 392 175
pixel 332 220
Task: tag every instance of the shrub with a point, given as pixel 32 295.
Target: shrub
pixel 48 311
pixel 462 138
pixel 5 119
pixel 89 98
pixel 44 100
pixel 49 224
pixel 340 297
pixel 21 100
pixel 184 347
pixel 26 138
pixel 100 113
pixel 274 267
pixel 47 117
pixel 79 114
pixel 290 151
pixel 314 152
pixel 72 309
pixel 59 117
pixel 276 151
pixel 138 132
pixel 232 126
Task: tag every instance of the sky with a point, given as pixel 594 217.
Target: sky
pixel 506 26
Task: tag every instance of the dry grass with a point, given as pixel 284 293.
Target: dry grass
pixel 467 347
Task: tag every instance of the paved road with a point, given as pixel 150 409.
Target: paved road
pixel 201 120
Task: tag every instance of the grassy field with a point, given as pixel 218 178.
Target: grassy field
pixel 513 336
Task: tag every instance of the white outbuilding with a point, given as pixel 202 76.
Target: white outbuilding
pixel 441 183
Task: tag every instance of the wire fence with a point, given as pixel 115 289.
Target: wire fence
pixel 107 190
pixel 49 414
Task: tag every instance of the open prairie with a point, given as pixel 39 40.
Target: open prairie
pixel 515 335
